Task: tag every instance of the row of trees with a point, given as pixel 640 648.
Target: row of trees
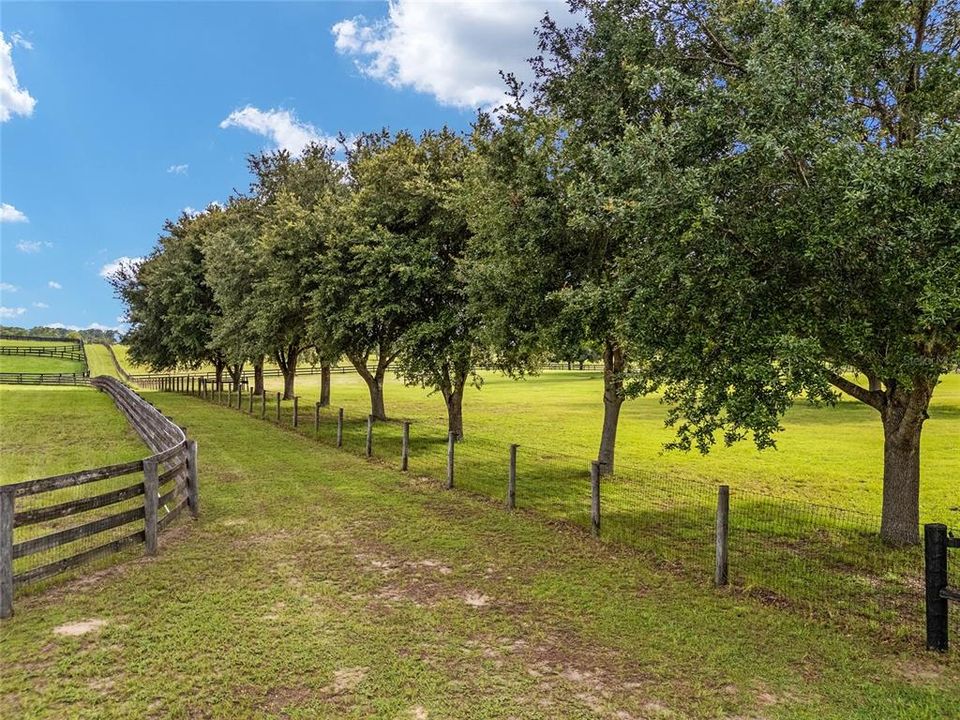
pixel 737 204
pixel 91 335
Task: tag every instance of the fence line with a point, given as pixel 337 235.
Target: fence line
pixel 822 561
pixel 73 349
pixel 43 379
pixel 35 543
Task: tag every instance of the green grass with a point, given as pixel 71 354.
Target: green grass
pixel 33 364
pixel 830 455
pixel 53 430
pixel 99 360
pixel 30 343
pixel 316 584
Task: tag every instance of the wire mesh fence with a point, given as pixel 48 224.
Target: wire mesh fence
pixel 825 562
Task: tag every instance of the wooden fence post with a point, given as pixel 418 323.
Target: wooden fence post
pixel 316 420
pixel 369 445
pixel 296 410
pixel 405 446
pixel 6 553
pixel 278 408
pixel 150 497
pixel 595 498
pixel 451 441
pixel 250 395
pixel 721 573
pixel 935 574
pixel 193 489
pixel 263 405
pixel 340 428
pixel 512 479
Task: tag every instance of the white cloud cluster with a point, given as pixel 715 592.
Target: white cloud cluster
pixel 18 40
pixel 451 50
pixel 7 287
pixel 91 326
pixel 41 305
pixel 6 312
pixel 54 285
pixel 8 213
pixel 32 246
pixel 14 100
pixel 178 169
pixel 281 126
pixel 108 270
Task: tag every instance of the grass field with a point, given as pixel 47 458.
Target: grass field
pixel 99 360
pixel 829 455
pixel 32 364
pixel 316 584
pixel 53 430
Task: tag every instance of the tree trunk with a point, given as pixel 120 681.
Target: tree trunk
pixel 903 416
pixel 324 384
pixel 453 398
pixel 287 360
pixel 613 365
pixel 236 374
pixel 374 383
pixel 218 378
pixel 258 377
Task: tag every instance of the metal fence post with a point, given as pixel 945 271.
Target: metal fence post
pixel 512 479
pixel 595 498
pixel 150 497
pixel 369 446
pixel 451 442
pixel 6 553
pixel 193 489
pixel 721 571
pixel 405 446
pixel 340 428
pixel 935 573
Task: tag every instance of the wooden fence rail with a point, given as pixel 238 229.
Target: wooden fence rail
pixel 43 379
pixel 165 492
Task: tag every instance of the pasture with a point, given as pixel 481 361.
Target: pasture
pixel 316 584
pixel 828 455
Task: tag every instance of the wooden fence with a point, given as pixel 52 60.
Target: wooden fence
pixel 31 512
pixel 43 379
pixel 71 349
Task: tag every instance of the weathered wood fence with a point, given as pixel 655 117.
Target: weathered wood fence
pixel 43 379
pixel 70 349
pixel 31 512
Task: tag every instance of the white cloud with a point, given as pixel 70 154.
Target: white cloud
pixel 54 285
pixel 14 100
pixel 18 40
pixel 451 50
pixel 178 169
pixel 7 287
pixel 6 312
pixel 41 305
pixel 108 270
pixel 8 213
pixel 281 126
pixel 29 246
pixel 91 326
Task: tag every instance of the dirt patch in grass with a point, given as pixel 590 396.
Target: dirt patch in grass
pixel 81 627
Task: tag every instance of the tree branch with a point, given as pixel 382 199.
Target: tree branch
pixel 873 398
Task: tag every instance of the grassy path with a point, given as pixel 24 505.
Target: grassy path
pixel 319 585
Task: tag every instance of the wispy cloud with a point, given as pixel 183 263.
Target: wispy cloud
pixel 7 287
pixel 6 312
pixel 281 126
pixel 8 213
pixel 14 100
pixel 41 305
pixel 54 285
pixel 29 246
pixel 178 169
pixel 18 40
pixel 108 270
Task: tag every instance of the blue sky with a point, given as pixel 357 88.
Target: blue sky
pixel 117 115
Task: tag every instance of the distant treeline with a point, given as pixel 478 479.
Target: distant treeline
pixel 88 335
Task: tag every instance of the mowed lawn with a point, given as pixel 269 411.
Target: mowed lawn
pixel 52 430
pixel 319 585
pixel 36 364
pixel 828 455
